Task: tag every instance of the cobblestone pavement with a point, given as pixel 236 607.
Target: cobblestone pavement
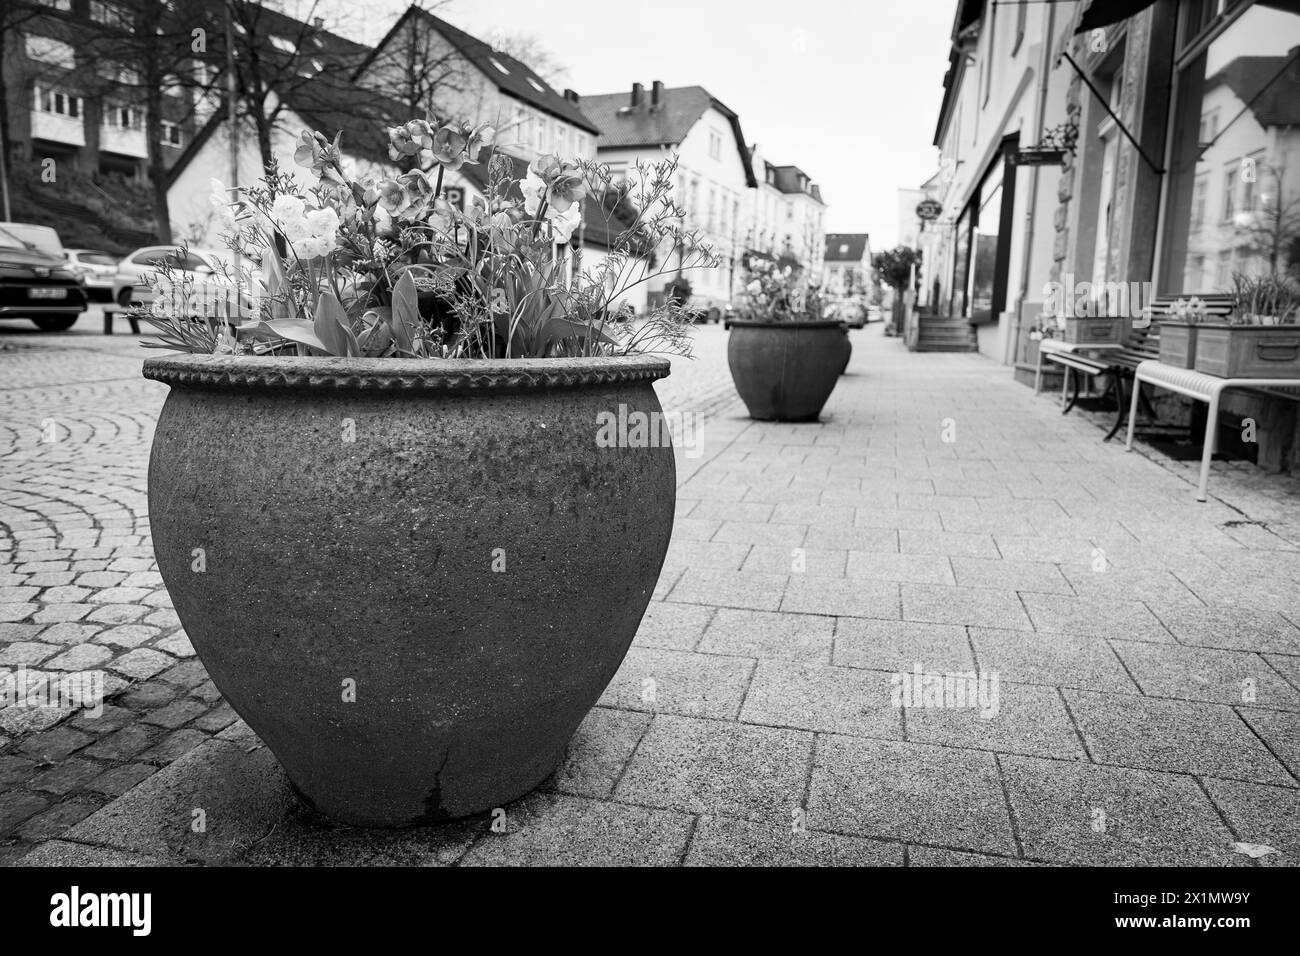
pixel 940 518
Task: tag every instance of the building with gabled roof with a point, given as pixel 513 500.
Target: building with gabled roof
pixel 459 76
pixel 846 268
pixel 714 172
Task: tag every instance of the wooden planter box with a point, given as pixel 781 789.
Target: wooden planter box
pixel 1178 343
pixel 1248 351
pixel 1096 330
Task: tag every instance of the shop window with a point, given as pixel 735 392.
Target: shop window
pixel 1233 190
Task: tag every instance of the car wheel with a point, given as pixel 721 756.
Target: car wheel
pixel 56 323
pixel 124 298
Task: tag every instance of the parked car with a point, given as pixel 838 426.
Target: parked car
pixel 37 285
pixel 98 271
pixel 131 287
pixel 43 238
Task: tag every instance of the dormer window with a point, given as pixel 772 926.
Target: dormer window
pixel 497 63
pixel 535 85
pixel 281 44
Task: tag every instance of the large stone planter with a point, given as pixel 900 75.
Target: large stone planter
pixel 1248 351
pixel 412 579
pixel 848 350
pixel 785 371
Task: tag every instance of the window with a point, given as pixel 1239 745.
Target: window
pixel 535 85
pixel 58 103
pixel 539 127
pixel 1223 270
pixel 171 134
pixel 1209 127
pixel 1249 172
pixel 110 14
pixel 283 45
pixel 497 63
pixel 1198 201
pixel 1223 114
pixel 715 144
pixel 62 5
pixel 713 208
pixel 116 116
pixel 1230 192
pixel 1022 11
pixel 51 51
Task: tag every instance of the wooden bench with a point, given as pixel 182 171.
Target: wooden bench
pixel 1204 388
pixel 1118 363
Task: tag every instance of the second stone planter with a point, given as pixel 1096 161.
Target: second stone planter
pixel 785 371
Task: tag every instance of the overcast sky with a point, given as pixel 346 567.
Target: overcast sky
pixel 850 92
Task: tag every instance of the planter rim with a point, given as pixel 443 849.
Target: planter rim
pixel 409 375
pixel 1249 327
pixel 819 324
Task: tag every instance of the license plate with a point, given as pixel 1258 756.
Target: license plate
pixel 48 292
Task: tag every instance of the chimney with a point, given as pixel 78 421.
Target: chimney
pixel 318 22
pixel 656 94
pixel 571 96
pixel 638 95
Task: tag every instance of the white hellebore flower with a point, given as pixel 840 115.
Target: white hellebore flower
pixel 563 223
pixel 532 187
pixel 754 287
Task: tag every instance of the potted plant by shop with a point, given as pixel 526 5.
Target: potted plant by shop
pixel 784 356
pixel 1261 338
pixel 389 498
pixel 1178 332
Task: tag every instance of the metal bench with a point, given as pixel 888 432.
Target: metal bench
pixel 110 312
pixel 1205 388
pixel 1118 363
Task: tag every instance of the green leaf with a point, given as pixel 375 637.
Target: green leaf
pixel 332 327
pixel 297 330
pixel 405 322
pixel 277 284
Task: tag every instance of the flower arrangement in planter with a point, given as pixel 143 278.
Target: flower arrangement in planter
pixel 377 494
pixel 1261 339
pixel 784 356
pixel 1178 332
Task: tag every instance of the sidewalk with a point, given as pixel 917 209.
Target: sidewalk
pixel 940 519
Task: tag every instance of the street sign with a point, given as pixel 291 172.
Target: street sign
pixel 1038 157
pixel 928 209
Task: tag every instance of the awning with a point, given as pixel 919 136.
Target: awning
pixel 1102 13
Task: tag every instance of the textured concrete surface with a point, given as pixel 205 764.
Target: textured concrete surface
pixel 939 518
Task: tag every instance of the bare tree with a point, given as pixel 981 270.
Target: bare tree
pixel 17 17
pixel 285 63
pixel 150 56
pixel 414 69
pixel 1272 230
pixel 527 48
